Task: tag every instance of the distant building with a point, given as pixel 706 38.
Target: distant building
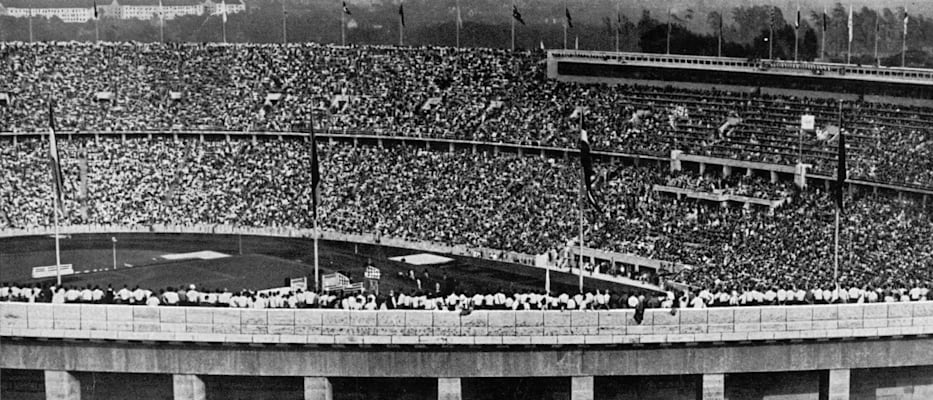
pixel 119 9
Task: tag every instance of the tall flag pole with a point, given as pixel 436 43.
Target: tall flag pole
pixel 588 175
pixel 401 23
pixel 877 33
pixel 568 23
pixel 30 25
pixel 223 5
pixel 618 25
pixel 840 187
pixel 284 24
pixel 516 16
pixel 771 33
pixel 719 51
pixel 849 51
pixel 96 23
pixel 315 200
pixel 343 24
pixel 668 47
pixel 161 22
pixel 797 32
pixel 58 197
pixel 459 23
pixel 823 39
pixel 904 40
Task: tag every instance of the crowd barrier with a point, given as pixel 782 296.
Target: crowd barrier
pixel 316 326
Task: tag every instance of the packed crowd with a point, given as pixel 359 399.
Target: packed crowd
pixel 476 94
pixel 451 301
pixel 526 204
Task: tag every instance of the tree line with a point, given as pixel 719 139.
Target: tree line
pixel 600 25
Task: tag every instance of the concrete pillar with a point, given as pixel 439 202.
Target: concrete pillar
pixel 714 387
pixel 726 170
pixel 62 385
pixel 581 388
pixel 838 384
pixel 449 389
pixel 188 387
pixel 319 388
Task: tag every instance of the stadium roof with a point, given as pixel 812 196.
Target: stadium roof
pixel 90 3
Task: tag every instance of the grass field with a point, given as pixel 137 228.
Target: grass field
pixel 255 263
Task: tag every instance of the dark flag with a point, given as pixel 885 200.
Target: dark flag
pixel 345 9
pixel 315 172
pixel 95 9
pixel 569 19
pixel 771 16
pixel 401 14
pixel 619 21
pixel 824 21
pixel 55 162
pixel 517 15
pixel 589 174
pixel 841 167
pixel 797 21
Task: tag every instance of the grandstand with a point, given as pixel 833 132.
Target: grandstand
pixel 712 198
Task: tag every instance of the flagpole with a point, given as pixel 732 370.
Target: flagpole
pixel 284 24
pixel 668 51
pixel 401 27
pixel 903 41
pixel 719 50
pixel 618 25
pixel 771 37
pixel 877 25
pixel 58 252
pixel 513 25
pixel 580 206
pixel 97 29
pixel 797 32
pixel 565 25
pixel 161 24
pixel 851 28
pixel 841 180
pixel 317 270
pixel 30 25
pixel 457 23
pixel 343 26
pixel 224 24
pixel 823 38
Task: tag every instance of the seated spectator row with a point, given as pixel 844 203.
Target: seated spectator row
pixel 525 204
pixel 476 94
pixel 450 301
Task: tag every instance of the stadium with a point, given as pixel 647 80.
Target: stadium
pixel 321 221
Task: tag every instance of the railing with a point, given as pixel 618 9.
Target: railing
pixel 845 71
pixel 315 326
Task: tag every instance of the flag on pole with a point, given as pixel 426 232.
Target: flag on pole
pixel 906 19
pixel 569 19
pixel 589 175
pixel 619 21
pixel 401 13
pixel 223 5
pixel 345 9
pixel 161 13
pixel 850 23
pixel 95 9
pixel 57 180
pixel 797 21
pixel 824 20
pixel 517 15
pixel 771 16
pixel 459 18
